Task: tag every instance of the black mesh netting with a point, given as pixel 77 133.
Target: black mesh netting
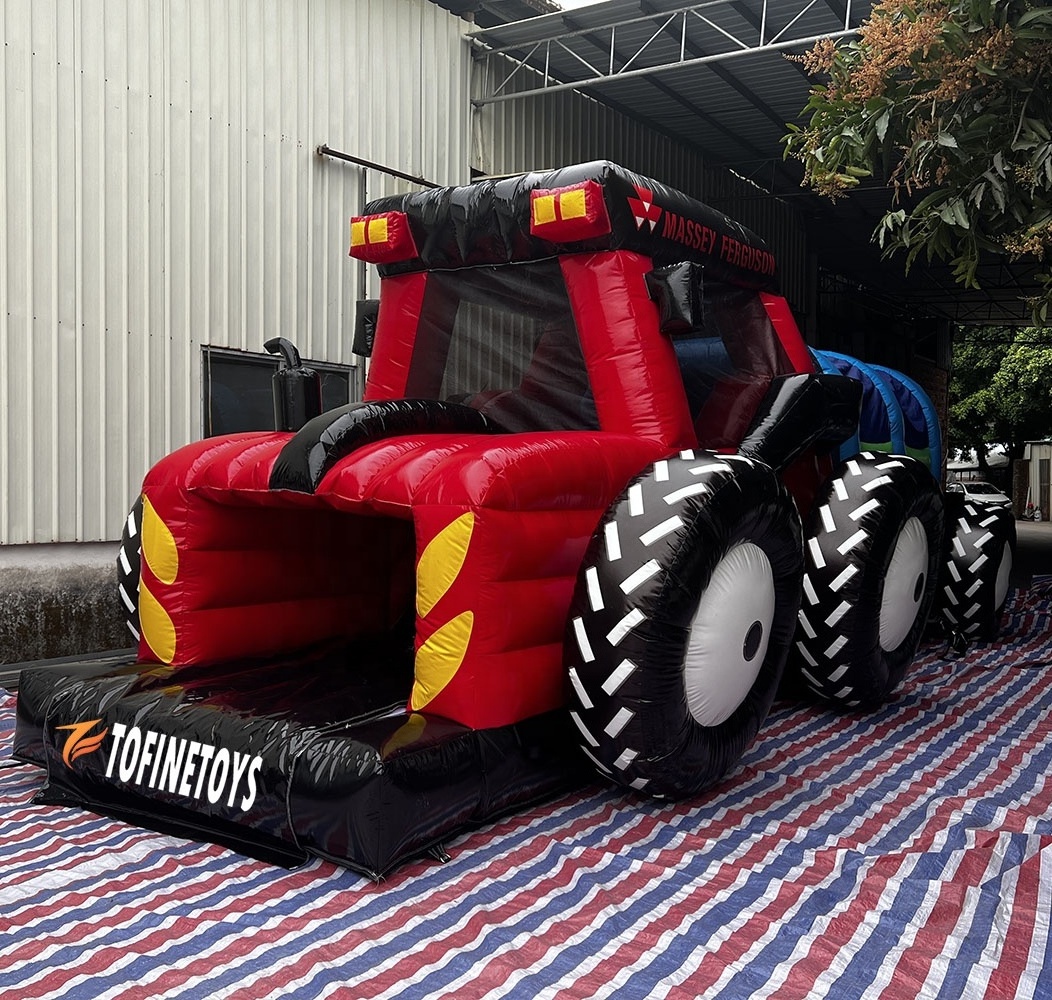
pixel 503 340
pixel 727 363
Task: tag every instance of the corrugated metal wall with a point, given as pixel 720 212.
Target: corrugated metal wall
pixel 775 220
pixel 159 191
pixel 553 130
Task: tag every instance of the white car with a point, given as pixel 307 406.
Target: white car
pixel 979 492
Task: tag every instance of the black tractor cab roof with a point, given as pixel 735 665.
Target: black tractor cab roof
pixel 594 206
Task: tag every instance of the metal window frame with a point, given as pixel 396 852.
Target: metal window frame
pixel 260 360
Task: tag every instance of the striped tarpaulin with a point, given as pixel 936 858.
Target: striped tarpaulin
pixel 903 853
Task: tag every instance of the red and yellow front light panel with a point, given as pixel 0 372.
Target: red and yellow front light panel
pixel 569 214
pixel 382 239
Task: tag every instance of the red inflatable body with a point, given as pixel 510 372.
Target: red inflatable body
pixel 485 532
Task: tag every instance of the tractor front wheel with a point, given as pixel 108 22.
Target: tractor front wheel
pixel 129 567
pixel 681 622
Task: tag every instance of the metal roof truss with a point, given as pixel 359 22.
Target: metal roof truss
pixel 651 43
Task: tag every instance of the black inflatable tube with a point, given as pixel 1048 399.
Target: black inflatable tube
pixel 800 412
pixel 333 435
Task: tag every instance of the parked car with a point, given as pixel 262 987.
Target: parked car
pixel 980 492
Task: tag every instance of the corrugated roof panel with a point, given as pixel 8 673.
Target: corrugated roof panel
pixel 747 94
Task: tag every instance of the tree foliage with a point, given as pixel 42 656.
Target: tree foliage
pixel 1001 389
pixel 950 104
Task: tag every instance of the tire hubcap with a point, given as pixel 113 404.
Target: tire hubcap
pixel 729 634
pixel 904 585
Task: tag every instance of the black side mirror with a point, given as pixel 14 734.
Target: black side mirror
pixel 799 412
pixel 365 313
pixel 677 290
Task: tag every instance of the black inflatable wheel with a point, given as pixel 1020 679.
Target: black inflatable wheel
pixel 872 547
pixel 128 568
pixel 681 621
pixel 976 570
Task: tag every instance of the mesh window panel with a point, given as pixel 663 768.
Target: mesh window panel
pixel 503 340
pixel 728 363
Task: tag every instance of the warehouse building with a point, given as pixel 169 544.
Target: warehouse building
pixel 176 180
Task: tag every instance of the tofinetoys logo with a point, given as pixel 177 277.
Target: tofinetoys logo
pixel 170 764
pixel 78 743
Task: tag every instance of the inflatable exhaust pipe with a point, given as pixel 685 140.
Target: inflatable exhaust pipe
pixel 297 390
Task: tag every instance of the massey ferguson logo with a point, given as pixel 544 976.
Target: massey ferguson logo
pixel 644 209
pixel 78 743
pixel 169 764
pixel 697 236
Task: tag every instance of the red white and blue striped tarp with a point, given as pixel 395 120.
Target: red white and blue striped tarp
pixel 902 853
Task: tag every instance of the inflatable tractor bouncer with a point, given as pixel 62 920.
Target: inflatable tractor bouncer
pixel 599 505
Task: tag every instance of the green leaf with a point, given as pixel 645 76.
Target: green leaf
pixel 1038 126
pixel 1042 15
pixel 931 201
pixel 998 191
pixel 881 125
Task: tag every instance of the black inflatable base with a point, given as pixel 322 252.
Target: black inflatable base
pixel 283 760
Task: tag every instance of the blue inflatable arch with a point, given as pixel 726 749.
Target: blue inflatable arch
pixel 897 415
pixel 921 421
pixel 880 426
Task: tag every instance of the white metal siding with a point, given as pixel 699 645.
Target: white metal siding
pixel 159 190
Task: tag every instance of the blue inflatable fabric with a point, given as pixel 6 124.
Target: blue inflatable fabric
pixel 922 442
pixel 880 423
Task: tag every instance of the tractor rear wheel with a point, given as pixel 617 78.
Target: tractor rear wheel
pixel 976 568
pixel 871 547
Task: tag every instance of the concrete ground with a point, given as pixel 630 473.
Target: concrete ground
pixel 59 600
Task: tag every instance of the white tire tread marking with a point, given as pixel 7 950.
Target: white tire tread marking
pixel 582 641
pixel 620 674
pixel 579 689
